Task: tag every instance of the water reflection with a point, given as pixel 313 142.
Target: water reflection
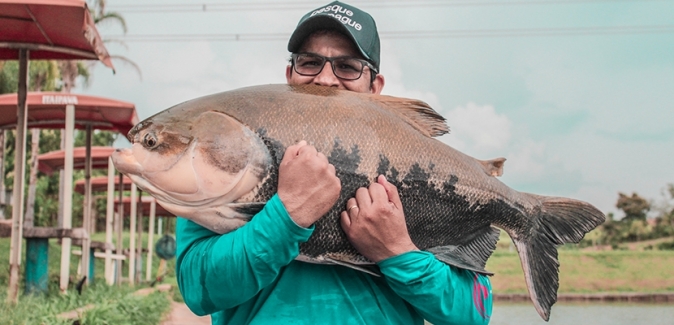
pixel 581 314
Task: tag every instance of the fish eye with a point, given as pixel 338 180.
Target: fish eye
pixel 150 141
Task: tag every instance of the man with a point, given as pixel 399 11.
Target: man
pixel 249 276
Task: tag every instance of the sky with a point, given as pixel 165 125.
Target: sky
pixel 577 95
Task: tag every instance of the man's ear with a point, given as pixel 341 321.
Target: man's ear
pixel 289 73
pixel 377 84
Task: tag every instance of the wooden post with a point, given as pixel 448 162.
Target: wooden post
pixel 86 218
pixel 119 224
pixel 139 238
pixel 2 174
pixel 150 240
pixel 37 262
pixel 109 276
pixel 59 216
pixel 19 176
pixel 132 236
pixel 67 196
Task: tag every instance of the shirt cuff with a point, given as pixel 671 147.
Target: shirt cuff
pixel 276 209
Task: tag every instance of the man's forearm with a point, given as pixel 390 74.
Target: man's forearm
pixel 217 272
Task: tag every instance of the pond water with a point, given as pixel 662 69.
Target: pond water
pixel 582 314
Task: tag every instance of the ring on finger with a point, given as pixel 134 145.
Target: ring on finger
pixel 352 207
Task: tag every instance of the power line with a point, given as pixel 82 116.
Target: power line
pixel 526 32
pixel 303 5
pixel 476 33
pixel 199 37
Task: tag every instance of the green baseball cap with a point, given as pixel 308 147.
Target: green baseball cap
pixel 356 24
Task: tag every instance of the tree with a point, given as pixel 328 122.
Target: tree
pixel 43 75
pixel 611 231
pixel 103 17
pixel 665 213
pixel 593 238
pixel 43 78
pixel 669 216
pixel 47 199
pixel 637 230
pixel 635 207
pixel 72 69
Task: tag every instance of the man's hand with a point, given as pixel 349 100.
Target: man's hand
pixel 374 222
pixel 307 184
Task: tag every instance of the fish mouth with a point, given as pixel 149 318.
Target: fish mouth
pixel 125 162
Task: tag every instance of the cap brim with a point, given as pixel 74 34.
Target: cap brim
pixel 320 22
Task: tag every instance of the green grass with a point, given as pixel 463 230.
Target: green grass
pixel 590 272
pixel 113 304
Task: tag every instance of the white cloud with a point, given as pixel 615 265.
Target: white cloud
pixel 187 63
pixel 258 68
pixel 478 129
pixel 601 196
pixel 395 84
pixel 526 161
pixel 203 68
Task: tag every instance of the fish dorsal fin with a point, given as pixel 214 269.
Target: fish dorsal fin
pixel 416 113
pixel 493 167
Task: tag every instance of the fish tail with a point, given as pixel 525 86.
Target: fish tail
pixel 559 221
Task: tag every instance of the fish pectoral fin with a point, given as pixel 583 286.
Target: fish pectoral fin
pixel 493 167
pixel 472 255
pixel 369 269
pixel 248 209
pixel 451 255
pixel 416 113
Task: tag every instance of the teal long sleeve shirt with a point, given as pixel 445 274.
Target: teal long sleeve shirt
pixel 249 276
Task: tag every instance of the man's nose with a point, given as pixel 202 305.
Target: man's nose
pixel 327 77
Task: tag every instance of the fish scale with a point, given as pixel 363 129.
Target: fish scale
pixel 452 202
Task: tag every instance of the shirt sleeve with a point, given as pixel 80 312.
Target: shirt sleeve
pixel 217 272
pixel 442 294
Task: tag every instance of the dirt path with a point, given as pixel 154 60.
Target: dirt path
pixel 181 315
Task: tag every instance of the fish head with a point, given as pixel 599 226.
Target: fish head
pixel 196 165
pixel 156 161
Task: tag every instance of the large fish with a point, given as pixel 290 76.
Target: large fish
pixel 215 160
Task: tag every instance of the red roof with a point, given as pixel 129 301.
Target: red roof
pixel 159 210
pixel 50 29
pixel 52 161
pixel 48 110
pixel 100 184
